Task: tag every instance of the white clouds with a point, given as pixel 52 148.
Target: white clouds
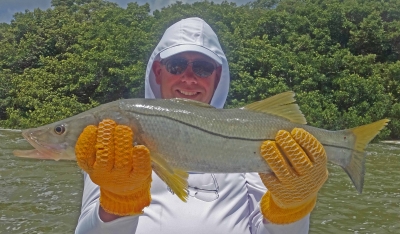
pixel 158 4
pixel 24 4
pixel 9 7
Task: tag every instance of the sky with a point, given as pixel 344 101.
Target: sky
pixel 9 7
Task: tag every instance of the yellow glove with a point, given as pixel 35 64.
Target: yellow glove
pixel 292 189
pixel 122 171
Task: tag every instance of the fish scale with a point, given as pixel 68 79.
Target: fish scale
pixel 195 150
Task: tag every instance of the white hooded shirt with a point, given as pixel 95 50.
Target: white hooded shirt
pixel 217 203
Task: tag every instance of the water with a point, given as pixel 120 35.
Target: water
pixel 36 196
pixel 39 196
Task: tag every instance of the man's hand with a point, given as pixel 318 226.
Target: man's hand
pixel 122 171
pixel 298 161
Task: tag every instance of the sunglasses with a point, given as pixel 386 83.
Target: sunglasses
pixel 200 68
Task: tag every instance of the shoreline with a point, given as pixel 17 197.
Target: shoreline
pixel 393 142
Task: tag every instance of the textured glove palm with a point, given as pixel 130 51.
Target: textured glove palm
pixel 292 189
pixel 122 171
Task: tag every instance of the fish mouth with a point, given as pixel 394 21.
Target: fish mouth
pixel 41 151
pixel 30 154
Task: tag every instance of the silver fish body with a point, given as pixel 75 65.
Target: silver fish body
pixel 191 136
pixel 212 140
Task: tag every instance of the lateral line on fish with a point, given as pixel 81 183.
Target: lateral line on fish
pixel 228 137
pixel 202 129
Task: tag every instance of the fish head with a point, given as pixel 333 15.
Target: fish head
pixel 57 140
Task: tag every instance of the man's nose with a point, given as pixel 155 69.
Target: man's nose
pixel 188 76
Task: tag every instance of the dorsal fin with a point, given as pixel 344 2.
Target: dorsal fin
pixel 281 105
pixel 191 102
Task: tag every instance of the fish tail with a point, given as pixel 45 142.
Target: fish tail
pixel 363 135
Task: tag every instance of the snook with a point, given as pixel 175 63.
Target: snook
pixel 184 135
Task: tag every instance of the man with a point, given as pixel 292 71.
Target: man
pixel 189 63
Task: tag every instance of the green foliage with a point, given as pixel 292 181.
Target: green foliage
pixel 65 60
pixel 342 58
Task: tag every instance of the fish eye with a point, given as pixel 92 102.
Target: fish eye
pixel 59 129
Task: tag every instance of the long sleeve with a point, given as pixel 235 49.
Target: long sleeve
pixel 235 209
pixel 89 221
pixel 258 224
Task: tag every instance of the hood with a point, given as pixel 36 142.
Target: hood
pixel 191 34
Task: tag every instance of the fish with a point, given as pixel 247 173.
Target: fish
pixel 188 136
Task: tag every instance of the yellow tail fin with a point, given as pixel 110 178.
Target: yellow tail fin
pixel 363 134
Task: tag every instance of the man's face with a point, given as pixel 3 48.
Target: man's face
pixel 187 84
